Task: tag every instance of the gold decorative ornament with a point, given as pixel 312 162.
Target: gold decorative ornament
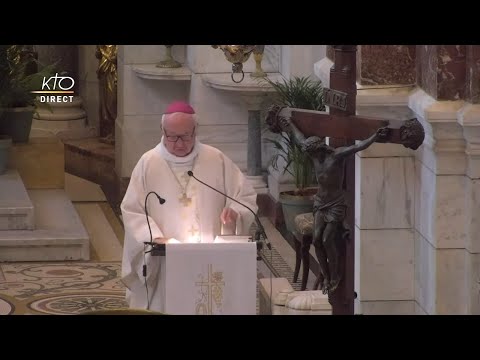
pixel 238 54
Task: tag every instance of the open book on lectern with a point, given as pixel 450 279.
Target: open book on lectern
pixel 217 278
pixel 232 239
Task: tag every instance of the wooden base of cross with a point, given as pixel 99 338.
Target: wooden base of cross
pixel 343 128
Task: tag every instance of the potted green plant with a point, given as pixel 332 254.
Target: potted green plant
pixel 302 93
pixel 19 76
pixel 5 140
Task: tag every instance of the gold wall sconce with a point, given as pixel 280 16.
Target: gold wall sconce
pixel 239 54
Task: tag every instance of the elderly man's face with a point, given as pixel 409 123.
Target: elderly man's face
pixel 179 131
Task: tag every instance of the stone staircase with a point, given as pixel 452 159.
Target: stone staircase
pixel 38 222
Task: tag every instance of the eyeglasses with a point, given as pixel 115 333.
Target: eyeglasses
pixel 174 138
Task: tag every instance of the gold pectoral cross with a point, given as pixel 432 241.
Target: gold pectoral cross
pixel 186 201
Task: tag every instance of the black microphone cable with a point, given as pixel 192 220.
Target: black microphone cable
pixel 259 232
pixel 144 270
pixel 257 220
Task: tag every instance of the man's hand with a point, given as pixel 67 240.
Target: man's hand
pixel 383 134
pixel 166 241
pixel 228 216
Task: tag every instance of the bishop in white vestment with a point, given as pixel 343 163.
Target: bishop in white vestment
pixel 192 212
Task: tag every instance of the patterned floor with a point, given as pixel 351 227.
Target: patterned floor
pixel 278 267
pixel 75 287
pixel 60 288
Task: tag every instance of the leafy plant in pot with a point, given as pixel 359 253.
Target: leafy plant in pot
pixel 302 93
pixel 19 76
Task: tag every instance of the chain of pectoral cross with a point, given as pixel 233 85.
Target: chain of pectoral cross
pixel 183 198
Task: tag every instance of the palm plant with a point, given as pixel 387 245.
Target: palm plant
pixel 302 93
pixel 19 77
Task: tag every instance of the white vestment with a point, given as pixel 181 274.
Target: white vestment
pixel 159 171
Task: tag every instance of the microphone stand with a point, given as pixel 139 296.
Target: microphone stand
pixel 144 269
pixel 260 229
pixel 162 201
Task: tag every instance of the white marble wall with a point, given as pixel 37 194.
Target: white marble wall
pixel 141 103
pixel 297 60
pixel 469 118
pixel 446 208
pixel 88 84
pixel 384 237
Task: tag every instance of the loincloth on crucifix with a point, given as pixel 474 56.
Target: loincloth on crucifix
pixel 334 210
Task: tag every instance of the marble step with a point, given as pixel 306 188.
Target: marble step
pixel 90 159
pixel 16 208
pixel 59 233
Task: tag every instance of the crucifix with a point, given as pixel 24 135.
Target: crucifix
pixel 333 235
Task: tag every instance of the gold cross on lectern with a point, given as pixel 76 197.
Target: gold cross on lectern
pixel 210 292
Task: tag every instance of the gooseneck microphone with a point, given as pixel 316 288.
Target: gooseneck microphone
pixel 144 272
pixel 260 229
pixel 161 201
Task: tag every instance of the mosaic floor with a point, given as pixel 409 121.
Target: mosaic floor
pixel 60 288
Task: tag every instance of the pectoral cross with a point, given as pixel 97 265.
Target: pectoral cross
pixel 343 127
pixel 185 200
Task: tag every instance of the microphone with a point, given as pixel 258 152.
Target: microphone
pixel 161 201
pixel 144 270
pixel 260 230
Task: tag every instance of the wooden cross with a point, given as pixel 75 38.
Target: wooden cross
pixel 185 200
pixel 343 127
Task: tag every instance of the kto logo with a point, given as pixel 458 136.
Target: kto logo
pixel 56 85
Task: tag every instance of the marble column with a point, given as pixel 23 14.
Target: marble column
pixel 253 94
pixel 469 118
pixel 254 151
pixel 446 277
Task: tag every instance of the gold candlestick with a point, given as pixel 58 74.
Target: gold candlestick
pixel 258 56
pixel 169 61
